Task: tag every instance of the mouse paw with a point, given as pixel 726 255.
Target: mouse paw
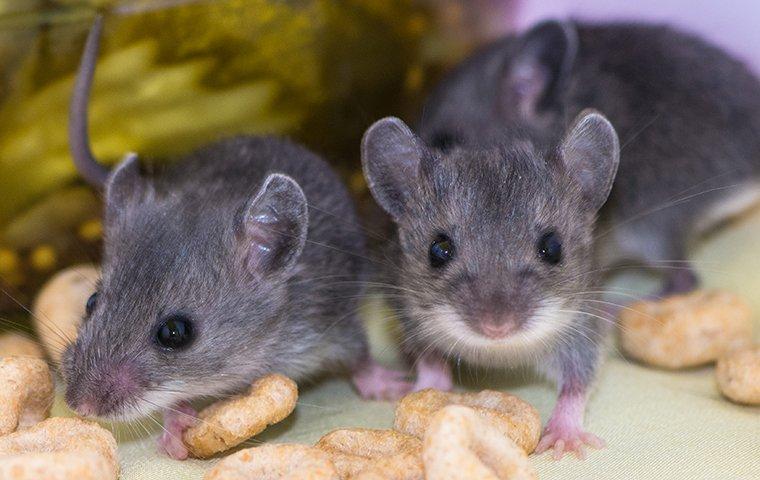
pixel 176 420
pixel 433 372
pixel 375 382
pixel 567 438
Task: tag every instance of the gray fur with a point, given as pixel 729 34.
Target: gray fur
pixel 492 177
pixel 179 242
pixel 254 238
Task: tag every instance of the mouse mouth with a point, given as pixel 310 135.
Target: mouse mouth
pixel 497 326
pixel 110 392
pixel 450 331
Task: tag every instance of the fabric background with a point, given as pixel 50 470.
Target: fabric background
pixel 657 424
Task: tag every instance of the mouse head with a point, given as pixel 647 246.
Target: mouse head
pixel 520 81
pixel 180 280
pixel 496 242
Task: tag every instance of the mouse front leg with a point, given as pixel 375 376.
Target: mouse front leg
pixel 564 431
pixel 177 419
pixel 432 372
pixel 574 364
pixel 376 382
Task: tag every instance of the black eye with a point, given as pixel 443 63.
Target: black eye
pixel 441 251
pixel 550 248
pixel 175 332
pixel 91 303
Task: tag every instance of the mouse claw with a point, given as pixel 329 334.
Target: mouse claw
pixel 375 382
pixel 567 439
pixel 176 421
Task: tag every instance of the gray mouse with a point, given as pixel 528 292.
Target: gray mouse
pixel 515 199
pixel 216 271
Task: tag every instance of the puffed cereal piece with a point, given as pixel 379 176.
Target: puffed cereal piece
pixel 26 392
pixel 402 466
pixel 511 415
pixel 685 330
pixel 13 344
pixel 228 423
pixel 275 462
pixel 59 449
pixel 353 450
pixel 460 444
pixel 60 307
pixel 738 375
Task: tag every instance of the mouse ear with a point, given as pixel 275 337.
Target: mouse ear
pixel 391 156
pixel 590 153
pixel 537 73
pixel 274 225
pixel 123 185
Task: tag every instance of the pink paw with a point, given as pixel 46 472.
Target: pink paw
pixel 567 439
pixel 433 372
pixel 375 382
pixel 176 421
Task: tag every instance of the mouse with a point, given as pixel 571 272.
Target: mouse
pixel 539 165
pixel 242 258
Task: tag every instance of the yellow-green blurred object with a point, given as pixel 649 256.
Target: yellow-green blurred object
pixel 173 75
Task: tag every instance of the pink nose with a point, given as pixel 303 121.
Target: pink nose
pixel 496 330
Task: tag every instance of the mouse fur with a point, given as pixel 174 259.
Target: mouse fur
pixel 499 160
pixel 241 259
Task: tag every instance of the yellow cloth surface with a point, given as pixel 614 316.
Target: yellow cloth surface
pixel 657 424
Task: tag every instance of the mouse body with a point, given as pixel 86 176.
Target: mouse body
pixel 513 199
pixel 240 259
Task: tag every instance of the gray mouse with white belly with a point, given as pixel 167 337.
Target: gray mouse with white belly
pixel 216 271
pixel 515 198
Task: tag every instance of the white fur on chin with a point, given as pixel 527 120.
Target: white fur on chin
pixel 445 328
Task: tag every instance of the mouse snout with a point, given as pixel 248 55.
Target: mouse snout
pixel 105 391
pixel 497 326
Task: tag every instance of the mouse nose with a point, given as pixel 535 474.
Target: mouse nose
pixel 496 327
pixel 104 391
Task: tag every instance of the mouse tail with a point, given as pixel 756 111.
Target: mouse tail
pixel 79 139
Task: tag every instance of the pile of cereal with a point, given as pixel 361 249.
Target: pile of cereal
pixel 33 446
pixel 446 436
pixel 696 329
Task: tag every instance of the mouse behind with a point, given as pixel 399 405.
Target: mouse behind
pixel 539 164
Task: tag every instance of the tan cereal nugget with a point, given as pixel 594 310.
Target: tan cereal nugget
pixel 738 375
pixel 685 330
pixel 353 450
pixel 402 466
pixel 60 306
pixel 26 392
pixel 14 344
pixel 229 423
pixel 275 462
pixel 510 414
pixel 461 444
pixel 59 449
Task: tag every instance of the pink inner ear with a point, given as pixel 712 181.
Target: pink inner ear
pixel 527 83
pixel 262 238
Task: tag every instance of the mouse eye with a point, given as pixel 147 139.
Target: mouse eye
pixel 550 248
pixel 91 303
pixel 441 251
pixel 175 332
